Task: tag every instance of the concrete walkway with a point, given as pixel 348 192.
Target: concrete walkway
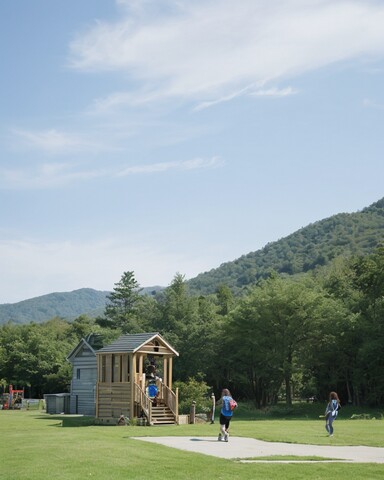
pixel 242 448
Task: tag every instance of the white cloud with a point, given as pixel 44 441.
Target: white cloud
pixel 54 141
pixel 248 91
pixel 112 101
pixel 194 164
pixel 209 49
pixel 53 175
pixel 119 100
pixel 275 92
pixel 226 98
pixel 45 175
pixel 368 103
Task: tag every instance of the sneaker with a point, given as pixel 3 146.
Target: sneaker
pixel 219 438
pixel 226 437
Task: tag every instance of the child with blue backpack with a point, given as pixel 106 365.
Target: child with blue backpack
pixel 228 404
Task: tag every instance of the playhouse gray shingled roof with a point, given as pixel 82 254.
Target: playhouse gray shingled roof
pixel 129 343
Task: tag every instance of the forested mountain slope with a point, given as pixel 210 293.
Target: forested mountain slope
pixel 310 247
pixel 68 305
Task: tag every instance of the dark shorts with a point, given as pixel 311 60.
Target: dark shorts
pixel 224 420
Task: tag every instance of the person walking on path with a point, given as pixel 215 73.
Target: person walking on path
pixel 331 412
pixel 228 404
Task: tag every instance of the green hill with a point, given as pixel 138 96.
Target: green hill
pixel 310 247
pixel 68 305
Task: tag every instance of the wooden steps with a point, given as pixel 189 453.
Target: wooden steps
pixel 162 415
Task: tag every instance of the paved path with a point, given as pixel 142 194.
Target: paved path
pixel 242 448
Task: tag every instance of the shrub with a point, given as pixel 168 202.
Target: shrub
pixel 193 391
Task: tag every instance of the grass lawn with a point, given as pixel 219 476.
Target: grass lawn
pixel 36 446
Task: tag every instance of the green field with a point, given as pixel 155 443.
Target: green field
pixel 35 446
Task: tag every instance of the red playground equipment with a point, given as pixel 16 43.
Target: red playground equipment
pixel 12 400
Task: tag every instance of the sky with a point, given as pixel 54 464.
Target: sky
pixel 171 136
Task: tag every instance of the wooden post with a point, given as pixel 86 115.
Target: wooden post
pixel 141 358
pixel 170 372
pixel 133 380
pixel 213 408
pixel 165 371
pixel 125 367
pixel 192 415
pixel 99 374
pixel 97 399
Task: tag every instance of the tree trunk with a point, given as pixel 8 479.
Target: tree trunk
pixel 288 389
pixel 349 392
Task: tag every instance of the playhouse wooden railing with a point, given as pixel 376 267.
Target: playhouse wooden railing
pixel 144 402
pixel 170 398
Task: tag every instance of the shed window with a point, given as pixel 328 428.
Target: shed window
pixel 78 374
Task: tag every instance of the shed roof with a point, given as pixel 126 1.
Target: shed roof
pixel 83 342
pixel 133 342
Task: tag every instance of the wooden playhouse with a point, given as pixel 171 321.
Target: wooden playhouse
pixel 134 379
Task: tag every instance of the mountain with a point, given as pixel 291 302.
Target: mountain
pixel 310 247
pixel 67 305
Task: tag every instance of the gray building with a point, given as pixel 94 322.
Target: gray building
pixel 84 375
pixel 57 403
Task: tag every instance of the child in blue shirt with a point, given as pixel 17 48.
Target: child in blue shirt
pixel 226 413
pixel 331 412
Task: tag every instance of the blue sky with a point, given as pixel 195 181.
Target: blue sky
pixel 166 136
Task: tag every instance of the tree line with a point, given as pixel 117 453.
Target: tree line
pixel 286 337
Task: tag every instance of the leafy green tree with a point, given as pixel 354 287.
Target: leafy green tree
pixel 121 311
pixel 335 364
pixel 148 312
pixel 201 341
pixel 178 314
pixel 224 299
pixel 243 354
pixel 357 282
pixel 176 307
pixel 369 281
pixel 329 362
pixel 35 353
pixel 193 390
pixel 271 332
pixel 189 324
pixel 83 325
